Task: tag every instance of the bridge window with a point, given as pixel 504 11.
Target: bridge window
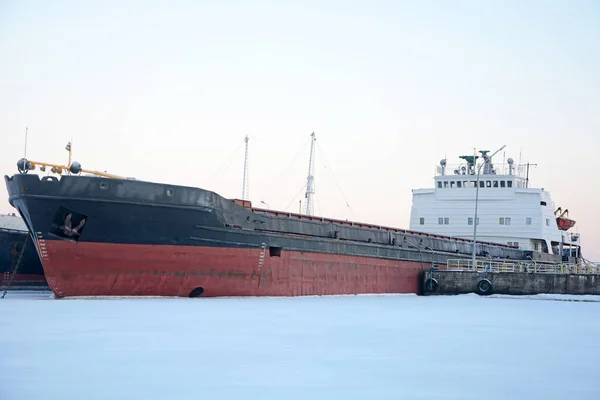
pixel 439 185
pixel 488 184
pixel 502 184
pixel 495 183
pixel 458 184
pixel 452 184
pixel 509 183
pixel 445 184
pixel 542 203
pixel 481 183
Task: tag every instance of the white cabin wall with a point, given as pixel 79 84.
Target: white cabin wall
pixel 550 231
pixel 458 204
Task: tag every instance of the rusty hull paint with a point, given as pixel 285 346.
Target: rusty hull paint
pixel 104 269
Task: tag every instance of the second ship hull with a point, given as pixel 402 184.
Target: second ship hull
pixel 99 237
pixel 19 270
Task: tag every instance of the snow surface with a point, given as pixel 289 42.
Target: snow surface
pixel 349 347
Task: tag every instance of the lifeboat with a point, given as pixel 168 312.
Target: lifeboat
pixel 564 223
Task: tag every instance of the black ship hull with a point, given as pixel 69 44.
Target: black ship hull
pixel 101 236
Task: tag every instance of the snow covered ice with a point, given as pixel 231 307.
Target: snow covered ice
pixel 350 347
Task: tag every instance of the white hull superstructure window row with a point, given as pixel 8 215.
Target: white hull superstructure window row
pixel 501 221
pixel 506 209
pixel 455 230
pixel 462 184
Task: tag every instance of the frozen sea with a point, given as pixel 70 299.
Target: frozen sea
pixel 347 347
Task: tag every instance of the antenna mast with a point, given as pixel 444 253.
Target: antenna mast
pixel 68 148
pixel 245 182
pixel 25 153
pixel 527 178
pixel 310 180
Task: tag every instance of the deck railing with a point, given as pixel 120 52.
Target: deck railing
pixel 512 266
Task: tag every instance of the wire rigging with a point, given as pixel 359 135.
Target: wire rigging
pixel 325 163
pixel 279 179
pixel 295 197
pixel 318 209
pixel 222 168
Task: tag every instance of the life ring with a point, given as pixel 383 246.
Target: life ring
pixel 431 285
pixel 484 287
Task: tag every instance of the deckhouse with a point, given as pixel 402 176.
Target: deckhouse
pixel 508 210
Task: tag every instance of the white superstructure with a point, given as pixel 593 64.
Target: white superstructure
pixel 508 210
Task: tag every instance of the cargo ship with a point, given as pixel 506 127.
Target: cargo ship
pixel 105 235
pixel 19 261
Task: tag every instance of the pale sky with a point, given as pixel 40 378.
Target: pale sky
pixel 166 91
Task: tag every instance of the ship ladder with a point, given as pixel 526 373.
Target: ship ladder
pixel 16 267
pixel 261 261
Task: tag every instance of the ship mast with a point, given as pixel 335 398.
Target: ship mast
pixel 245 189
pixel 25 154
pixel 310 180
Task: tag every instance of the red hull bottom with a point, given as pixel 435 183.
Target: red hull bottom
pixel 103 269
